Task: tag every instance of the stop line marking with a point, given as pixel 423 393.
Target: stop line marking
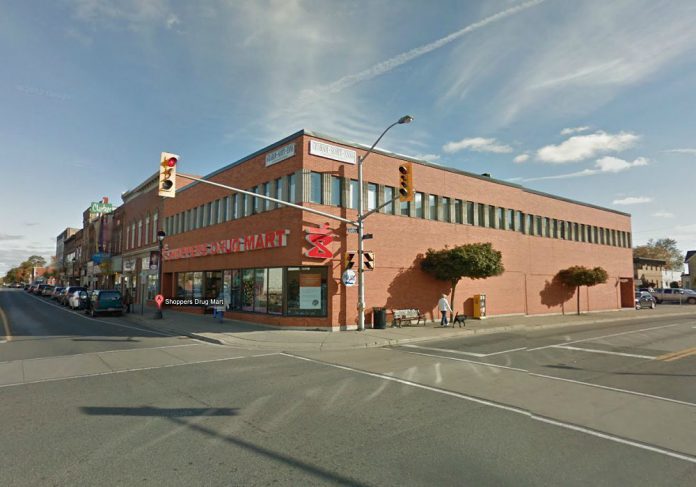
pixel 473 354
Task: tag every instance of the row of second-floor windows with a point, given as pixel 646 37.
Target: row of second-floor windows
pixel 234 206
pixel 331 190
pixel 140 232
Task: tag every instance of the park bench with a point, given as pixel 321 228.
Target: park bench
pixel 402 316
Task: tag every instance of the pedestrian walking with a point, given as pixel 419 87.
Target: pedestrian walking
pixel 444 306
pixel 127 300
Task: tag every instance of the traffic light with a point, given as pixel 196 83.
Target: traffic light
pixel 406 182
pixel 167 175
pixel 369 260
pixel 349 259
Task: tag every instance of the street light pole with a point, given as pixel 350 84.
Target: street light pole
pixel 160 241
pixel 361 225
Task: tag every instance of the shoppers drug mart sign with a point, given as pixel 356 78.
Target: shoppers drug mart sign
pixel 257 241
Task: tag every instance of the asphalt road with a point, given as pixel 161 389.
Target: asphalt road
pixel 188 413
pixel 33 327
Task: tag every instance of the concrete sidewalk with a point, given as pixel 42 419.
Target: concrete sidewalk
pixel 258 337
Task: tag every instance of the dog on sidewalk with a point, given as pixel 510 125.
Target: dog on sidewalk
pixel 459 319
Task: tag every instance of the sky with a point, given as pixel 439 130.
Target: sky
pixel 590 100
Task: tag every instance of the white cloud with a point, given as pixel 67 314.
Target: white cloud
pixel 581 147
pixel 575 130
pixel 521 158
pixel 633 200
pixel 683 151
pixel 663 214
pixel 605 165
pixel 405 57
pixel 428 157
pixel 614 164
pixel 477 144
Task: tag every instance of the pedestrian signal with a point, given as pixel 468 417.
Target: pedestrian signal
pixel 406 182
pixel 167 175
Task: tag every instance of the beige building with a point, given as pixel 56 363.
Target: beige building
pixel 648 272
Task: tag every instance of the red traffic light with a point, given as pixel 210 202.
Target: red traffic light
pixel 171 162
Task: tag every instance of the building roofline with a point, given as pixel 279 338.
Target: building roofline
pixel 357 145
pixel 689 254
pixel 648 259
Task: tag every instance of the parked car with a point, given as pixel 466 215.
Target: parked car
pixel 56 292
pixel 644 300
pixel 104 301
pixel 674 295
pixel 47 290
pixel 38 290
pixel 67 293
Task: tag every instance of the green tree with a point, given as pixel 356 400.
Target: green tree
pixel 662 249
pixel 577 276
pixel 475 261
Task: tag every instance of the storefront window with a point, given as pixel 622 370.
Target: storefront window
pixel 151 286
pixel 260 291
pixel 247 290
pixel 275 291
pixel 233 285
pixel 213 285
pixel 306 291
pixel 197 284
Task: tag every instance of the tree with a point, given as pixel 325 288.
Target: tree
pixel 662 249
pixel 34 261
pixel 577 276
pixel 475 261
pixel 674 285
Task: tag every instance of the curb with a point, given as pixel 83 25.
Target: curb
pixel 384 342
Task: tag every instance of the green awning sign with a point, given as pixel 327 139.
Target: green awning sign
pixel 101 207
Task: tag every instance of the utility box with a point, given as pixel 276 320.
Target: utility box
pixel 479 306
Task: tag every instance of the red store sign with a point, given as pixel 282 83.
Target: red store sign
pixel 268 240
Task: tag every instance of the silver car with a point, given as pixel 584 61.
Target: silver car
pixel 674 295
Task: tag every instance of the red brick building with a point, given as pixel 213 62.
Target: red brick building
pixel 255 255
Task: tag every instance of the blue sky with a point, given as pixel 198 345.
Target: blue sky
pixel 590 100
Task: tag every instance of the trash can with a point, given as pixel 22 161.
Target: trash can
pixel 379 318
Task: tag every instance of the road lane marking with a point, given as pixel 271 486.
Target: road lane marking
pixel 606 336
pixel 132 370
pixel 621 354
pixel 460 360
pixel 6 325
pixel 513 409
pixel 669 357
pixel 473 354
